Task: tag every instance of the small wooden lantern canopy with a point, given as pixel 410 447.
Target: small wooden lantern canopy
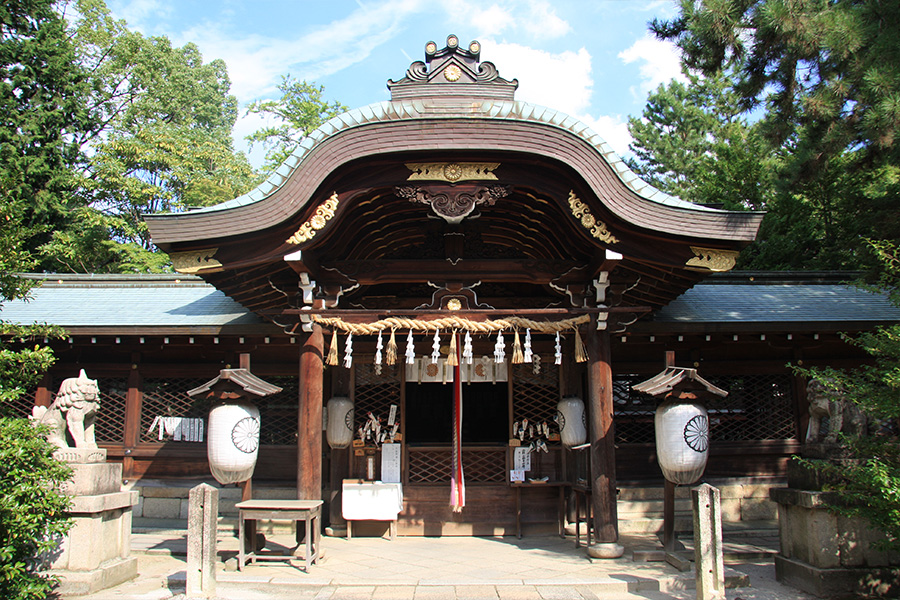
pixel 234 423
pixel 683 390
pixel 679 382
pixel 235 384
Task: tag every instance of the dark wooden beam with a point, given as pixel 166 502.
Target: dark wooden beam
pixel 440 271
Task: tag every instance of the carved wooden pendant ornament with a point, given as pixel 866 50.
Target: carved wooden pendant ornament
pixel 451 204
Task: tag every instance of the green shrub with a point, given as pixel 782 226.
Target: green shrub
pixel 33 515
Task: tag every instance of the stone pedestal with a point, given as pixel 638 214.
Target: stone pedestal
pixel 96 553
pixel 830 555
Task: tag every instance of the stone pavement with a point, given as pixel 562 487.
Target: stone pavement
pixel 418 568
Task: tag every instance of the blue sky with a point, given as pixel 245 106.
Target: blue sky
pixel 593 59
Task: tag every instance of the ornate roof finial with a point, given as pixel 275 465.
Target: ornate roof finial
pixel 452 66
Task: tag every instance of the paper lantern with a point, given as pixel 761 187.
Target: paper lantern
pixel 571 420
pixel 682 441
pixel 339 430
pixel 233 442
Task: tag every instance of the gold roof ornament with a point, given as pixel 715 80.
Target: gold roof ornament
pixel 712 259
pixel 451 172
pixel 195 261
pixel 597 228
pixel 323 214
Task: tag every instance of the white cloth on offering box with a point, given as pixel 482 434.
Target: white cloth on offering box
pixel 371 500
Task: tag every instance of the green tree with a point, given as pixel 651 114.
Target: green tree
pixel 826 74
pixel 298 112
pixel 40 102
pixel 691 141
pixel 42 92
pixel 869 487
pixel 161 142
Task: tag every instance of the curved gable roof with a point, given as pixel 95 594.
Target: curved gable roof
pixel 476 115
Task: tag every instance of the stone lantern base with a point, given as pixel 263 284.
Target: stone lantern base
pixel 95 554
pixel 830 555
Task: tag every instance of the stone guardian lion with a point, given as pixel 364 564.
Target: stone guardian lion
pixel 74 410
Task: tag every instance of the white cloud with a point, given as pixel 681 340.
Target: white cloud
pixel 543 22
pixel 660 63
pixel 256 63
pixel 559 81
pixel 139 12
pixel 244 126
pixel 613 130
pixel 536 18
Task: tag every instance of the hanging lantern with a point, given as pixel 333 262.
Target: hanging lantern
pixel 571 420
pixel 233 442
pixel 682 440
pixel 339 431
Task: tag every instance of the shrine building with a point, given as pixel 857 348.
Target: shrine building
pixel 453 219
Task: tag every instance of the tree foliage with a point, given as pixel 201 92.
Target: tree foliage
pixel 41 88
pixel 869 486
pixel 298 112
pixel 692 141
pixel 33 514
pixel 41 112
pixel 161 143
pixel 826 78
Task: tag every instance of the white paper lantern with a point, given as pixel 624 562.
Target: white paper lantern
pixel 339 431
pixel 682 441
pixel 571 421
pixel 233 442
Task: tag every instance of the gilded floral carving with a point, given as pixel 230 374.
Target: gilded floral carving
pixel 451 172
pixel 597 228
pixel 323 214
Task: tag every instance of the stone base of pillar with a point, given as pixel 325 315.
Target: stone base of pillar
pixel 109 574
pixel 828 583
pixel 828 554
pixel 606 550
pixel 96 553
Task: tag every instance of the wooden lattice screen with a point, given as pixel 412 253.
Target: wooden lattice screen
pixel 110 425
pixel 168 398
pixel 375 393
pixel 278 413
pixel 536 395
pixel 22 406
pixel 758 407
pixel 481 465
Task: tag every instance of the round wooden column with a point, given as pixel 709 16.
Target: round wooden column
pixel 309 419
pixel 603 453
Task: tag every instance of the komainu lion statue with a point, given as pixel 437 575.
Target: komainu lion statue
pixel 843 415
pixel 75 410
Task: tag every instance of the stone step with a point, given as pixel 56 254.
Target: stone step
pixel 630 508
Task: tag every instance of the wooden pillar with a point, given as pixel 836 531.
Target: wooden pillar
pixel 43 395
pixel 309 418
pixel 603 459
pixel 134 398
pixel 342 384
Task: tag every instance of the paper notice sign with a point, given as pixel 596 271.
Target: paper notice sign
pixel 390 463
pixel 516 475
pixel 522 459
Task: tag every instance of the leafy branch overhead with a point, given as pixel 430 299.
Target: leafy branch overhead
pixel 297 113
pixel 821 81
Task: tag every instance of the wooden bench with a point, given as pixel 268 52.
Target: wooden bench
pixel 308 511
